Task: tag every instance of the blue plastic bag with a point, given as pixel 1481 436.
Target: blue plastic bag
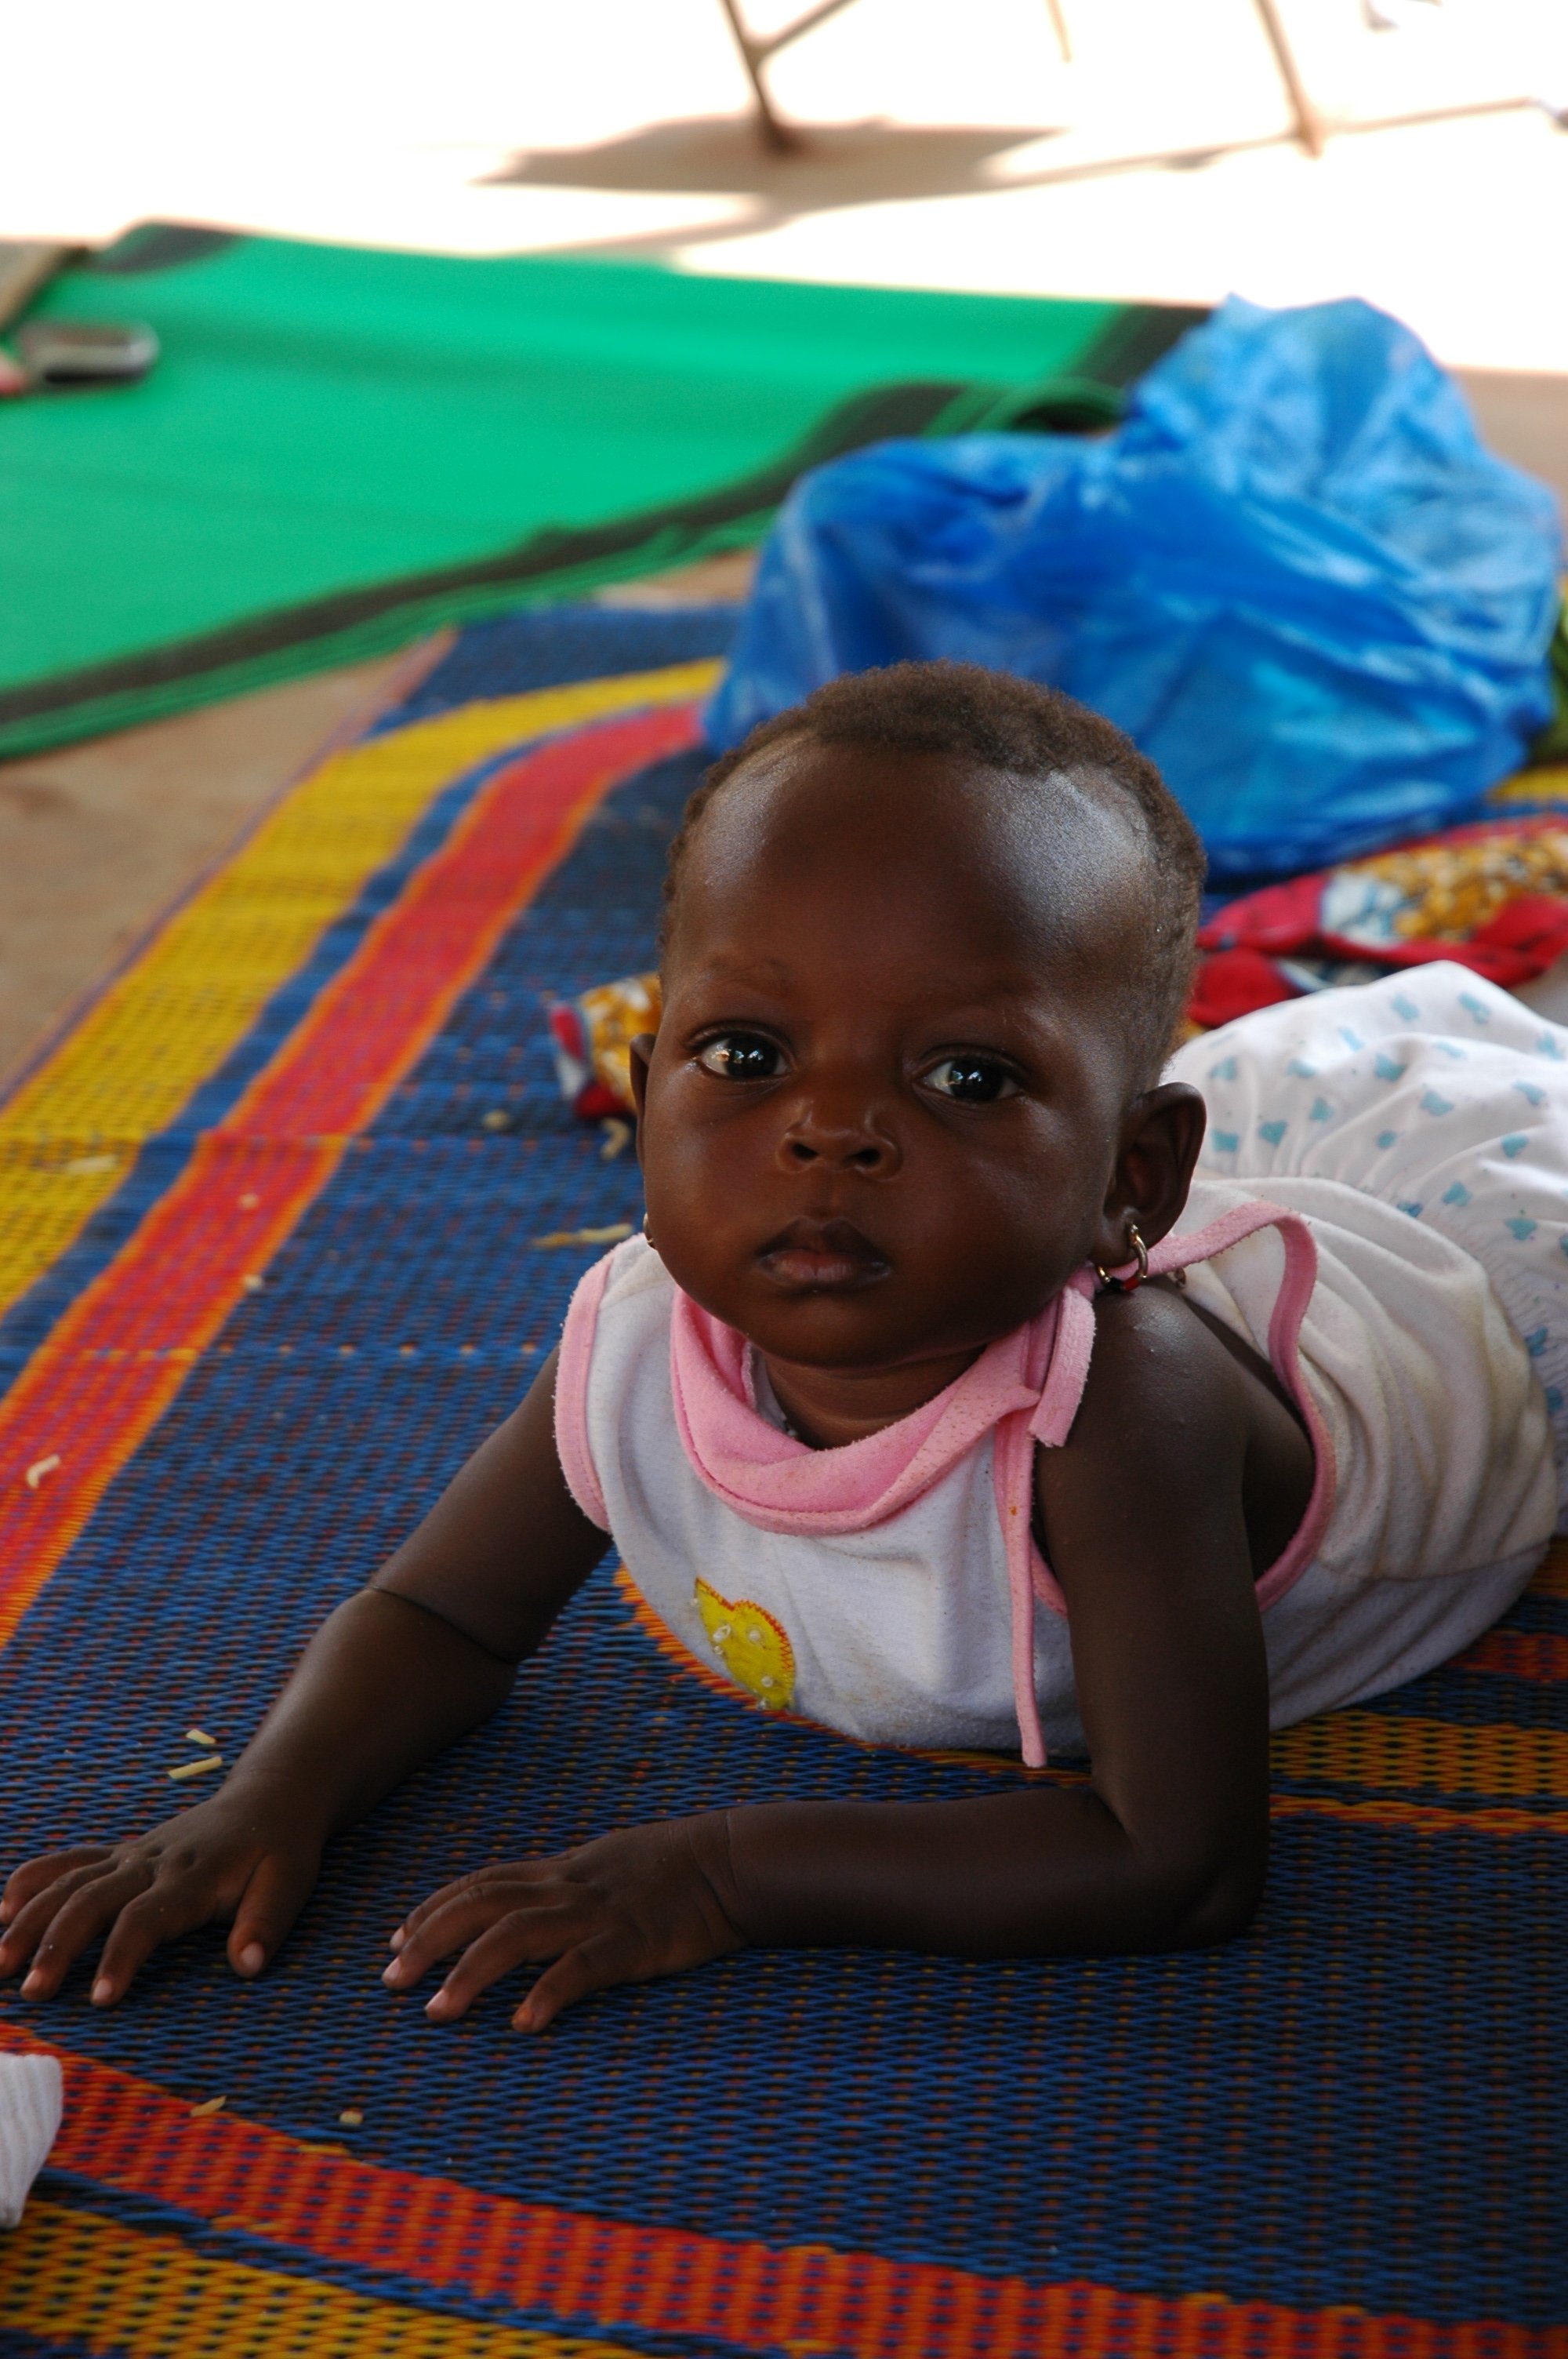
pixel 1292 574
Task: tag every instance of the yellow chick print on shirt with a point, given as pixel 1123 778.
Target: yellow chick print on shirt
pixel 750 1644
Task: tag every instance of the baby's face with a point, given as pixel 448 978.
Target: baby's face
pixel 884 1106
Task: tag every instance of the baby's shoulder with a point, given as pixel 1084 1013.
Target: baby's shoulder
pixel 1152 1334
pixel 1164 1374
pixel 1179 1415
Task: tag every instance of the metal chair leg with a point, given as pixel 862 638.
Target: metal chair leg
pixel 1309 122
pixel 775 134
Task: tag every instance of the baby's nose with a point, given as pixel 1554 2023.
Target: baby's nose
pixel 847 1146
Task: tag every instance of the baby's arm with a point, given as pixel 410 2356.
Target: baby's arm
pixel 1165 1846
pixel 1162 1848
pixel 393 1675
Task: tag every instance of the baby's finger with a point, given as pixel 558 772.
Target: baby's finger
pixel 30 1923
pixel 522 1939
pixel 61 1922
pixel 401 1935
pixel 471 1905
pixel 271 1901
pixel 164 1912
pixel 29 1926
pixel 36 1876
pixel 483 1879
pixel 596 1964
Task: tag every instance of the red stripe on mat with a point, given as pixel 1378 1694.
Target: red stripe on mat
pixel 91 1393
pixel 130 2137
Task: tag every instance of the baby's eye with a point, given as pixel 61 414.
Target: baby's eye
pixel 740 1057
pixel 975 1081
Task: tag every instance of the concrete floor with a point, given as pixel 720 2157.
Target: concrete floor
pixel 97 840
pixel 1524 418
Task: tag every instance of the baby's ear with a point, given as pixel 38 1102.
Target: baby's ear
pixel 640 1051
pixel 1159 1142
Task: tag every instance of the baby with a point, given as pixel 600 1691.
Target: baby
pixel 941 1403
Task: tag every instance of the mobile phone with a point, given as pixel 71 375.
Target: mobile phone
pixel 84 352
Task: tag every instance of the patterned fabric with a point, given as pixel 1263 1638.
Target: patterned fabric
pixel 1492 896
pixel 1340 2134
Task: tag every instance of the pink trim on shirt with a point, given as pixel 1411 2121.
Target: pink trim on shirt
pixel 1028 1576
pixel 1055 1372
pixel 572 1365
pixel 1290 1310
pixel 781 1485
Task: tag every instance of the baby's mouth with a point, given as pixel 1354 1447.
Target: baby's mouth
pixel 822 1258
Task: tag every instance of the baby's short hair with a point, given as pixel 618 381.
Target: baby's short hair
pixel 1002 723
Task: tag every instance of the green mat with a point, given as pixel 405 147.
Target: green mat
pixel 341 447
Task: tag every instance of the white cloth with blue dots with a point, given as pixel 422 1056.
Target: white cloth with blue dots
pixel 1436 1093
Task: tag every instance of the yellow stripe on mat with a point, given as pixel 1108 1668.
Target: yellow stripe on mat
pixel 1366 1748
pixel 74 2276
pixel 73 1130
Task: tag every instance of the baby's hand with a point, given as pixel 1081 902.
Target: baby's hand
pixel 642 1902
pixel 239 1857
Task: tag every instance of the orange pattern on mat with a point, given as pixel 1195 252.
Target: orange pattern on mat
pixel 1552 1580
pixel 1360 1747
pixel 1518 1655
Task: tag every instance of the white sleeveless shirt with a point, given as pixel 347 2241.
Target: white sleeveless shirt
pixel 1435 1499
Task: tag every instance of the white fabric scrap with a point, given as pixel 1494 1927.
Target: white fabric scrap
pixel 30 2107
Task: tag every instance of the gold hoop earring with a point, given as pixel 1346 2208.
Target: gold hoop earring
pixel 648 1233
pixel 1140 1253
